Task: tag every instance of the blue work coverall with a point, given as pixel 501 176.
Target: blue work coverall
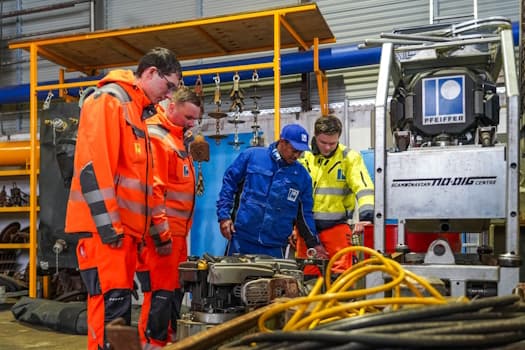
pixel 274 196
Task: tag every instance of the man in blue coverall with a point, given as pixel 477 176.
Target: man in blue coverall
pixel 274 194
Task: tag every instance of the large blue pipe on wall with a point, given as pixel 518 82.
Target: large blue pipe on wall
pixel 292 63
pixel 336 57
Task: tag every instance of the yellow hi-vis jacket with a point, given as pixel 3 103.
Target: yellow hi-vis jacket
pixel 337 182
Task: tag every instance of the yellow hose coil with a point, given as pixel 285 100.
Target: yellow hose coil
pixel 341 301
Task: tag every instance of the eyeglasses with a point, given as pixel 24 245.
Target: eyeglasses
pixel 171 86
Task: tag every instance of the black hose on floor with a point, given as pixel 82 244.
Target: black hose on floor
pixel 479 324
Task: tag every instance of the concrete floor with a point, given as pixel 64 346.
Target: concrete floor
pixel 15 335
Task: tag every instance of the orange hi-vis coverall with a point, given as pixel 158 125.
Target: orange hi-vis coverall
pixel 173 207
pixel 338 181
pixel 110 197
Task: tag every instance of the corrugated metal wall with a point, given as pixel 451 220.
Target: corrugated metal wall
pixel 351 22
pixel 14 68
pixel 131 13
pixel 223 7
pixel 354 21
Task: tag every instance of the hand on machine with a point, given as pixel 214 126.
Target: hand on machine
pixel 317 252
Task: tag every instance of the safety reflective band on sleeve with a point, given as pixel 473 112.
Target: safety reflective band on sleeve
pixel 160 227
pixel 332 216
pixel 137 208
pixel 95 196
pixel 116 90
pixel 99 196
pixel 179 196
pixel 365 192
pixel 132 184
pixel 95 201
pixel 162 134
pixel 336 191
pixel 178 213
pixel 158 209
pixel 366 207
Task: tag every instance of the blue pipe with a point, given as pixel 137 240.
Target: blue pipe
pixel 345 56
pixel 20 93
pixel 294 63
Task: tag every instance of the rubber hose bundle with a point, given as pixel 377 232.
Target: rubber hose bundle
pixel 328 320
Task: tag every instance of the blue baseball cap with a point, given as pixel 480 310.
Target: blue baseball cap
pixel 297 136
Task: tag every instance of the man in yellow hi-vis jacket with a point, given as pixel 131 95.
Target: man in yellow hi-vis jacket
pixel 339 179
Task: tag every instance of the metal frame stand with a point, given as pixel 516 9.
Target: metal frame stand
pixel 506 274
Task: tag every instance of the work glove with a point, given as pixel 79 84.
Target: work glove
pixel 164 248
pixel 320 252
pixel 116 242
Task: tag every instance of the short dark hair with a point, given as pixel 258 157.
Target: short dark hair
pixel 329 125
pixel 185 94
pixel 164 59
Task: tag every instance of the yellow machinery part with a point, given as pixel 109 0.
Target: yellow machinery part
pixel 17 153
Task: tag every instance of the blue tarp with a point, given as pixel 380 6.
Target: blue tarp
pixel 205 234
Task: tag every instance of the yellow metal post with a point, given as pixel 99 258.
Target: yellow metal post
pixel 45 287
pixel 61 80
pixel 322 82
pixel 277 74
pixel 33 78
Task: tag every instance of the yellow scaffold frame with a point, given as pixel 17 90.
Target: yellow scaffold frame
pixel 304 28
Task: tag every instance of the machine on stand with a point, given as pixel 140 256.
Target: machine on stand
pixel 447 172
pixel 224 287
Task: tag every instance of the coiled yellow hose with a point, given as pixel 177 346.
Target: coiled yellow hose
pixel 341 301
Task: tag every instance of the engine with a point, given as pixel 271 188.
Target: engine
pixel 221 288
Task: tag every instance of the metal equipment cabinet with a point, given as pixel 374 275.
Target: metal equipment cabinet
pixel 439 176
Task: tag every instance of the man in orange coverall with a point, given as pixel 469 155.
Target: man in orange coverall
pixel 173 204
pixel 110 197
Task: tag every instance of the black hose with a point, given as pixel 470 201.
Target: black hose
pixel 403 340
pixel 472 316
pixel 408 327
pixel 456 341
pixel 483 327
pixel 420 313
pixel 479 324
